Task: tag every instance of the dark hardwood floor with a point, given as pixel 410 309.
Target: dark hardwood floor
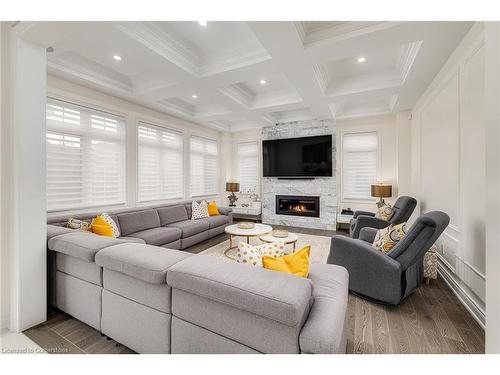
pixel 432 320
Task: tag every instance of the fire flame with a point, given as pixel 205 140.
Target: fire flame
pixel 299 208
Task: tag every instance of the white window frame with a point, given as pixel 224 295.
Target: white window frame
pixel 99 111
pixel 217 174
pixel 146 123
pixel 340 158
pixel 238 171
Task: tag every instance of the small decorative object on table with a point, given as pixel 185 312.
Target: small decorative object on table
pixel 232 187
pixel 430 264
pixel 246 225
pixel 381 191
pixel 280 233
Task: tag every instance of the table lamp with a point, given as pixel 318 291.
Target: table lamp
pixel 232 187
pixel 381 191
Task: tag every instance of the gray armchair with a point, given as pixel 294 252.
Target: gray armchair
pixel 403 208
pixel 388 278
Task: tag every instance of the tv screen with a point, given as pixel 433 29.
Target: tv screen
pixel 298 157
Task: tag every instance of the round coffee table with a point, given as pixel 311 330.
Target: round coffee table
pixel 234 231
pixel 290 239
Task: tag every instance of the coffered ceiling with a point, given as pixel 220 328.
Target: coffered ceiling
pixel 233 76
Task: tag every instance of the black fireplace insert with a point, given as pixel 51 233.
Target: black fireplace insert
pixel 297 205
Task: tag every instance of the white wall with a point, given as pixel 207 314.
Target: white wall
pixel 134 113
pixel 4 260
pixel 492 187
pixel 387 166
pixel 232 171
pixel 448 165
pixel 23 236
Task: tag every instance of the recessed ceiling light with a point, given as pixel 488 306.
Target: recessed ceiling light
pixel 117 58
pixel 194 96
pixel 202 23
pixel 263 81
pixel 361 59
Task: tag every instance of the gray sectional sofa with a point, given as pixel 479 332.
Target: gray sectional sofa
pixel 167 226
pixel 155 299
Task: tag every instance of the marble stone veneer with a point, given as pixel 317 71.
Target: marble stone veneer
pixel 324 187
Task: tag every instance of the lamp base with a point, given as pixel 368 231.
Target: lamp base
pixel 232 198
pixel 380 203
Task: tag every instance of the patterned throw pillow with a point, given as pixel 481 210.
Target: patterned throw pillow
pixel 252 255
pixel 78 224
pixel 199 210
pixel 110 221
pixel 385 212
pixel 387 238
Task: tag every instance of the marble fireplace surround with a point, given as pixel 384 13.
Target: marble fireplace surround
pixel 324 187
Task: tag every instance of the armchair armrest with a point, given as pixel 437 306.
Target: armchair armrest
pixel 228 211
pixel 368 234
pixel 365 213
pixel 371 272
pixel 368 221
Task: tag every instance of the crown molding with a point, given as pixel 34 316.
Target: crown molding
pixel 346 30
pixel 276 98
pixel 322 76
pixel 243 55
pixel 178 106
pixel 160 42
pixel 239 93
pixel 406 58
pixel 83 73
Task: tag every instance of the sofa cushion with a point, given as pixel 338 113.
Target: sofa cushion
pixel 158 236
pixel 172 214
pixel 217 221
pixel 132 239
pixel 144 262
pixel 83 245
pixel 57 230
pixel 273 295
pixel 190 227
pixel 137 221
pixel 325 331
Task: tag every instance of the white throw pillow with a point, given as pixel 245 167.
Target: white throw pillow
pixel 199 210
pixel 252 255
pixel 110 221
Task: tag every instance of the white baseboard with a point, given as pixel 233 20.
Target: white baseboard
pixel 466 296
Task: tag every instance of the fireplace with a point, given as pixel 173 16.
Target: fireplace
pixel 296 205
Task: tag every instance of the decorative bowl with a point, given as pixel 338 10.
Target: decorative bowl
pixel 280 233
pixel 246 225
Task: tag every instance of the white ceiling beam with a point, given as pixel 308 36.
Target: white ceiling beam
pixel 285 46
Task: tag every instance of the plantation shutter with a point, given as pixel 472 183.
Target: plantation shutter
pixel 248 166
pixel 85 157
pixel 359 169
pixel 160 163
pixel 204 164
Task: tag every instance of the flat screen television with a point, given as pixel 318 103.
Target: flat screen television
pixel 298 157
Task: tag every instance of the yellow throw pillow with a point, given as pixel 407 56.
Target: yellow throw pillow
pixel 102 227
pixel 296 263
pixel 212 209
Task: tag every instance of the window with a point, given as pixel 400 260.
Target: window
pixel 85 157
pixel 160 166
pixel 359 165
pixel 204 156
pixel 247 155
